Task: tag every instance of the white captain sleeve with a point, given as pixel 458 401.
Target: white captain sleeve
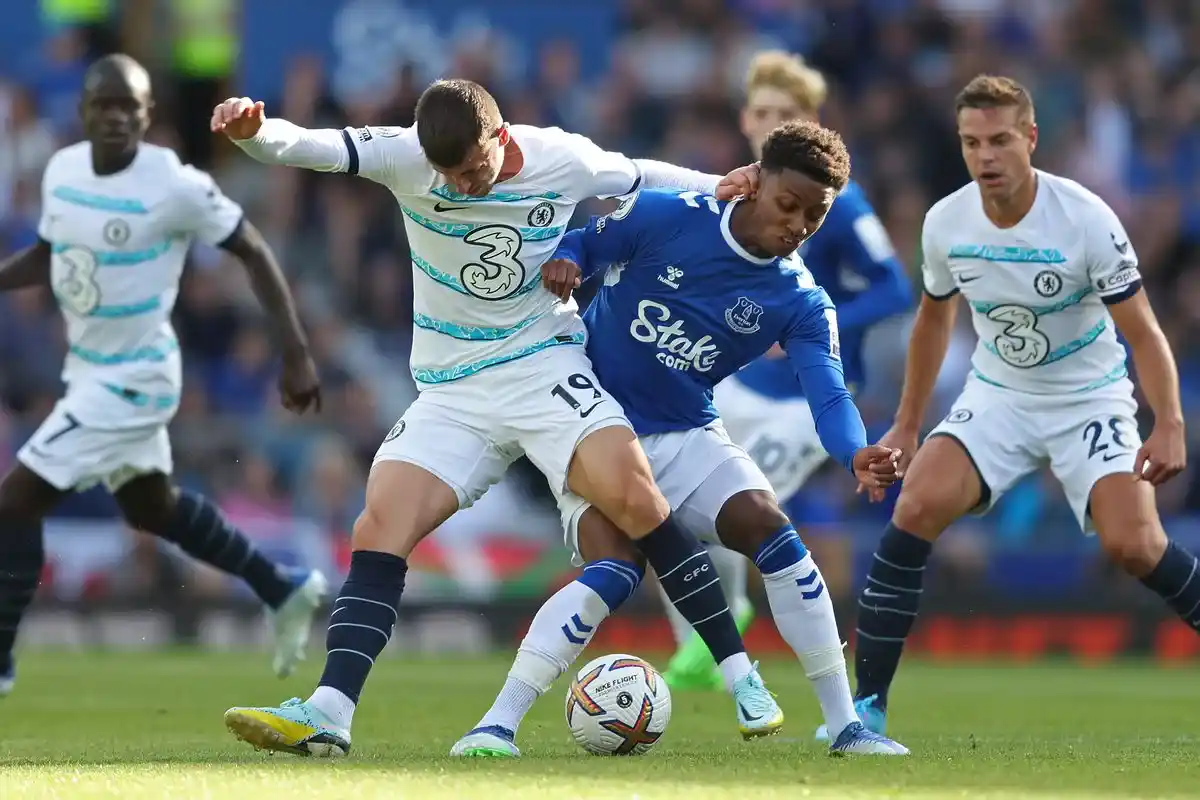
pixel 390 156
pixel 939 281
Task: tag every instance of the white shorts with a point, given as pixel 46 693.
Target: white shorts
pixel 1009 434
pixel 697 471
pixel 467 432
pixel 71 455
pixel 780 435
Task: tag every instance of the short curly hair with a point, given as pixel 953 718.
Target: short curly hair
pixel 810 149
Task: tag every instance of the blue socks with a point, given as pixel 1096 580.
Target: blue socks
pixel 21 558
pixel 201 531
pixel 887 609
pixel 690 580
pixel 361 623
pixel 1176 579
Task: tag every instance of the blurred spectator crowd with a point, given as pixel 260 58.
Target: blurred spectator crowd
pixel 1117 87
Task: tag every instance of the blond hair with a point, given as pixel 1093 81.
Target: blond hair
pixel 995 91
pixel 776 69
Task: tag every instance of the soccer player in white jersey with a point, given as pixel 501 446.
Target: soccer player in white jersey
pixel 763 406
pixel 501 369
pixel 1051 278
pixel 118 217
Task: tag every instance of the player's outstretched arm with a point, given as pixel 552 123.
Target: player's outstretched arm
pixel 1164 454
pixel 298 382
pixel 27 267
pixel 390 156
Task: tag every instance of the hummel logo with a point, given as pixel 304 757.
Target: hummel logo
pixel 672 277
pixel 439 207
pixel 1122 247
pixel 747 715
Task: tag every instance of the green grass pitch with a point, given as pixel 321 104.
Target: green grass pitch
pixel 135 726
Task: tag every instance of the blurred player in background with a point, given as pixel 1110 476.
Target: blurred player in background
pixel 118 218
pixel 1051 279
pixel 501 369
pixel 660 341
pixel 763 406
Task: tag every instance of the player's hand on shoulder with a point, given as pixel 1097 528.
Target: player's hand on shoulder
pixel 1163 456
pixel 560 276
pixel 743 181
pixel 238 117
pixel 299 386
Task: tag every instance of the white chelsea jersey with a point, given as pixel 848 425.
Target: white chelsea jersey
pixel 1038 290
pixel 477 296
pixel 118 244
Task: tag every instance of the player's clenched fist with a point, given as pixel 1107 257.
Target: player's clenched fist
pixel 560 276
pixel 877 467
pixel 238 117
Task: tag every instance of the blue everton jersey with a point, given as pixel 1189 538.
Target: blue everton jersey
pixel 683 306
pixel 851 258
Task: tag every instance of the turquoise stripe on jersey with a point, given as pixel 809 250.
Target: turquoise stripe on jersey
pixel 124 356
pixel 471 333
pixel 1071 300
pixel 461 229
pixel 160 402
pixel 99 202
pixel 128 309
pixel 435 376
pixel 446 193
pixel 451 282
pixel 115 258
pixel 1117 374
pixel 1020 255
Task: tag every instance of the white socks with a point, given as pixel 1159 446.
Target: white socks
pixel 558 634
pixel 804 615
pixel 335 705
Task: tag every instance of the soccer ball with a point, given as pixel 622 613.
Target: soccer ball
pixel 618 705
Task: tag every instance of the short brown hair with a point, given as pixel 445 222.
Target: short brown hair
pixel 810 149
pixel 788 73
pixel 454 116
pixel 995 91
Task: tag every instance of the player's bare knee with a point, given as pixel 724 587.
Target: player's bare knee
pixel 1127 524
pixel 748 519
pixel 1138 549
pixel 632 501
pixel 924 511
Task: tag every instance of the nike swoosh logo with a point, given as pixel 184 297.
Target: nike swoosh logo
pixel 749 717
pixel 584 414
pixel 968 279
pixel 440 207
pixel 873 593
pixel 1115 455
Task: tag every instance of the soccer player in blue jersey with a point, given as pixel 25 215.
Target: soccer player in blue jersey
pixel 763 407
pixel 695 289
